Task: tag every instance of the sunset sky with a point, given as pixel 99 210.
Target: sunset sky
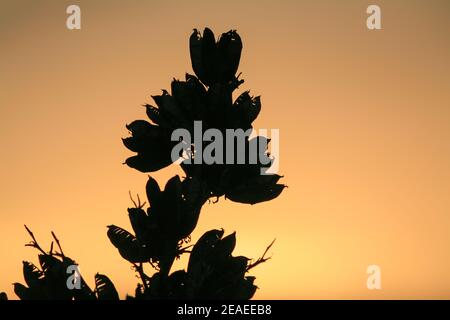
pixel 364 120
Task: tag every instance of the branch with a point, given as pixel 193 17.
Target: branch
pixel 262 259
pixel 140 269
pixel 33 243
pixel 58 243
pixel 137 205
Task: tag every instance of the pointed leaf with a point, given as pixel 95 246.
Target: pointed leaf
pixel 127 244
pixel 105 288
pixel 153 191
pixel 31 273
pixel 21 291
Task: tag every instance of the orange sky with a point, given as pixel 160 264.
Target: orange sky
pixel 364 136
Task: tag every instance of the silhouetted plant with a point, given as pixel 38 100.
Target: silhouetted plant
pixel 162 230
pixel 49 282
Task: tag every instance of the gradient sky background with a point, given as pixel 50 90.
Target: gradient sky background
pixel 364 119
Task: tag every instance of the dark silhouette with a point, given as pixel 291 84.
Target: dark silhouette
pixel 162 231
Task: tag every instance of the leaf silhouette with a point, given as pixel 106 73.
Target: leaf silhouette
pixel 105 288
pixel 32 274
pixel 21 291
pixel 127 244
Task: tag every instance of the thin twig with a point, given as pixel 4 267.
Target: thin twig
pixel 137 205
pixel 58 243
pixel 185 249
pixel 262 259
pixel 154 266
pixel 34 243
pixel 131 197
pixel 140 269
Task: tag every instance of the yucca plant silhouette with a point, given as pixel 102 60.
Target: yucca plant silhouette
pixel 161 232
